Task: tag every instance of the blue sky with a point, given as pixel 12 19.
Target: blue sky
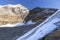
pixel 33 3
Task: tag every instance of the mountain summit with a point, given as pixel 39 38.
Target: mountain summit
pixel 11 14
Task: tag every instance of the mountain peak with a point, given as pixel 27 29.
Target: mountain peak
pixel 11 14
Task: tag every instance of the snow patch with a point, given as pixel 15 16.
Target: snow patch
pixel 18 24
pixel 30 22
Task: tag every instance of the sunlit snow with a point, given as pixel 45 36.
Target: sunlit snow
pixel 42 31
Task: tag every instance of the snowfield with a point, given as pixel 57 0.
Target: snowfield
pixel 41 31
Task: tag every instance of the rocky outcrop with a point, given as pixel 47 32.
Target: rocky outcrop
pixel 11 14
pixel 40 14
pixel 54 35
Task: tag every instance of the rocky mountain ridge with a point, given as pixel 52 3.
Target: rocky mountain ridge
pixel 11 14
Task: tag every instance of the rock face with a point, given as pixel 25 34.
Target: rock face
pixel 11 14
pixel 40 14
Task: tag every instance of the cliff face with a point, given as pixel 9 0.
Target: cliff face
pixel 11 14
pixel 40 14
